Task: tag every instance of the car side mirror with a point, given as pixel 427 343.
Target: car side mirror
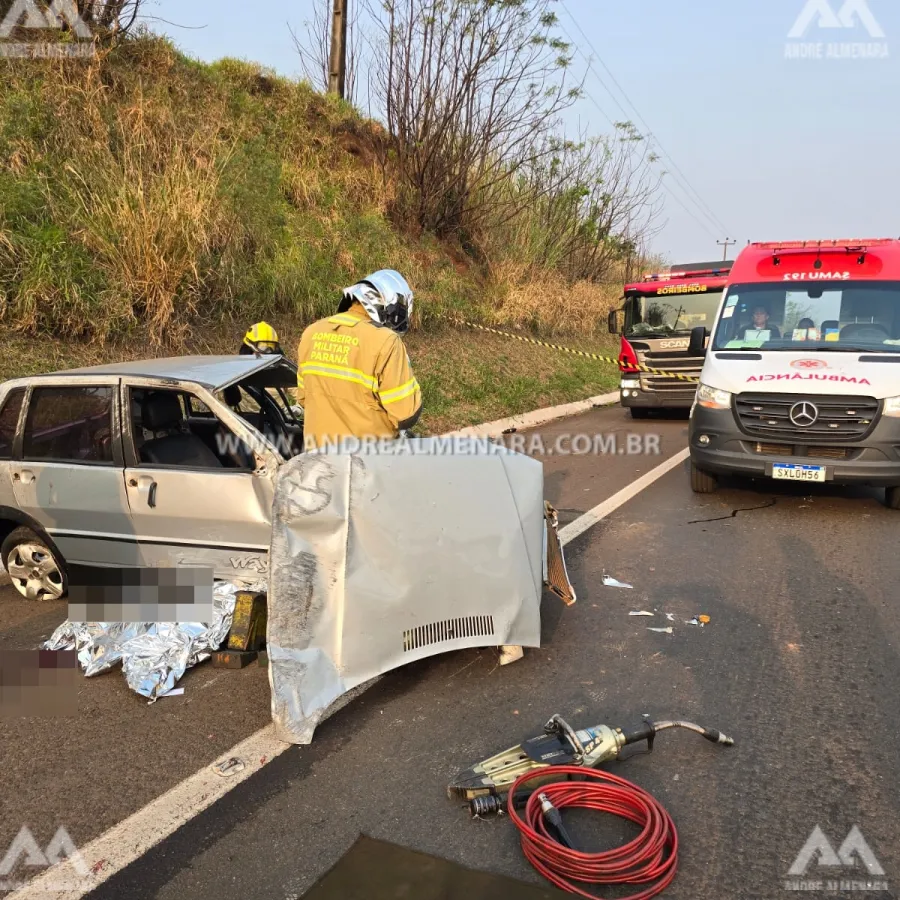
pixel 612 322
pixel 697 346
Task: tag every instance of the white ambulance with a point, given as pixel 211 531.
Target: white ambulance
pixel 801 376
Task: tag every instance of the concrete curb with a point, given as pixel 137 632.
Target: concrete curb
pixel 535 418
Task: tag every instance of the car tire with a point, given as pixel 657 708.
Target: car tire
pixel 37 571
pixel 638 412
pixel 892 497
pixel 702 482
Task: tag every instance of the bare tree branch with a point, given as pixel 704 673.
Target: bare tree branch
pixel 468 89
pixel 313 45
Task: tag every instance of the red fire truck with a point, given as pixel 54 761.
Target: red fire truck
pixel 655 323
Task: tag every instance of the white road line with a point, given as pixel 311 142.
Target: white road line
pixel 135 836
pixel 598 513
pixel 139 833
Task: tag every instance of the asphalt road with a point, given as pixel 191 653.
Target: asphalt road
pixel 799 664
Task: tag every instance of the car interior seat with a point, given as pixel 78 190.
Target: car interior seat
pixel 232 397
pixel 161 411
pixel 865 331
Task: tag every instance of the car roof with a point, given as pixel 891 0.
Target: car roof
pixel 214 372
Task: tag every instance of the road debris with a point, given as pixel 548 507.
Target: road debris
pixel 611 582
pixel 643 612
pixel 668 630
pixel 698 620
pixel 670 617
pixel 229 767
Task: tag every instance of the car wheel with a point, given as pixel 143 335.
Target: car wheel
pixel 36 570
pixel 639 413
pixel 702 482
pixel 892 497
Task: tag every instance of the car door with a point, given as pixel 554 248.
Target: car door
pixel 11 408
pixel 68 470
pixel 198 512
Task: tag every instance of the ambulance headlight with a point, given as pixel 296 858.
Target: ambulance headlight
pixel 712 398
pixel 892 407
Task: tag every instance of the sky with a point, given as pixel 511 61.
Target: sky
pixel 756 146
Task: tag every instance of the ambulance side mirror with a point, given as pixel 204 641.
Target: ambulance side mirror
pixel 697 346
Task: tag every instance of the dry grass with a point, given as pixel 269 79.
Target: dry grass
pixel 151 205
pixel 546 301
pixel 467 378
pixel 148 213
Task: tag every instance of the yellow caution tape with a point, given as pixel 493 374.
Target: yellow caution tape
pixel 584 353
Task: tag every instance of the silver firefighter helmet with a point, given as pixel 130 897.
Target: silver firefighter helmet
pixel 385 296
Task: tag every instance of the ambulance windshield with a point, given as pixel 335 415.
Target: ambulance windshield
pixel 846 317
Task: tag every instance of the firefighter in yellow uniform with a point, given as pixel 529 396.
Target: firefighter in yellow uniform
pixel 261 338
pixel 355 379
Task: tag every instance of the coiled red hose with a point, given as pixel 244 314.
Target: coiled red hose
pixel 651 856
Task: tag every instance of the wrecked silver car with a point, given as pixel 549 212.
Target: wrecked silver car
pixel 163 462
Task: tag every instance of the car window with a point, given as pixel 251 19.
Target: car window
pixel 9 421
pixel 283 401
pixel 239 399
pixel 196 407
pixel 69 424
pixel 169 429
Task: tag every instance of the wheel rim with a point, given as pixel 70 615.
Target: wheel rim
pixel 35 573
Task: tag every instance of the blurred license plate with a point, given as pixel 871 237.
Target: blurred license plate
pixel 789 472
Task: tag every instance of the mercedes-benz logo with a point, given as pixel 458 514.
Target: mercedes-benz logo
pixel 804 414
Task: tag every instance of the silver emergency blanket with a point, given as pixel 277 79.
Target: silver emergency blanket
pixel 154 656
pixel 386 555
pixel 98 644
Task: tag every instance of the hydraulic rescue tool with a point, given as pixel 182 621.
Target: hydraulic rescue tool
pixel 486 783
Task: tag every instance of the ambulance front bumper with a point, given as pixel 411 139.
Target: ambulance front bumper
pixel 719 446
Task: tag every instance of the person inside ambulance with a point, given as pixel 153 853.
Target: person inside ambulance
pixel 760 323
pixel 355 379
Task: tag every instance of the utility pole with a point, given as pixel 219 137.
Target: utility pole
pixel 337 64
pixel 727 242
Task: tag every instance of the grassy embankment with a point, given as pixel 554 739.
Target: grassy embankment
pixel 153 205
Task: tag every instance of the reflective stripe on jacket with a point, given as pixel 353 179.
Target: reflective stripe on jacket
pixel 355 380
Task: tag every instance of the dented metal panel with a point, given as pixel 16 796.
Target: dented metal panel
pixel 383 558
pixel 556 575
